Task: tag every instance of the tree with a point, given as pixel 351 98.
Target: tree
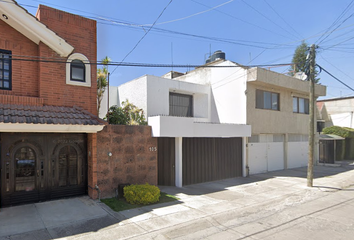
pixel 299 61
pixel 128 114
pixel 102 76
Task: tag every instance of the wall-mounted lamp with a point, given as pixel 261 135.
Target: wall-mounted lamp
pixel 109 154
pixel 4 16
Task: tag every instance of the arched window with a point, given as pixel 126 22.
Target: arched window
pixel 68 166
pixel 78 70
pixel 25 169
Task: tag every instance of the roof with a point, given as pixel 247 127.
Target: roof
pixel 330 137
pixel 23 118
pixel 335 99
pixel 19 18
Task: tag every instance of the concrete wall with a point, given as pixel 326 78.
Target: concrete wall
pixel 228 88
pixel 272 121
pixel 338 112
pixel 133 160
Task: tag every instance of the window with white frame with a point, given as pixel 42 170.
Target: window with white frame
pixel 300 105
pixel 267 100
pixel 78 70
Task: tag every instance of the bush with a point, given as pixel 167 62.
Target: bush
pixel 141 194
pixel 340 131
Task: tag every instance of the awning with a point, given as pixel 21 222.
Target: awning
pixel 21 118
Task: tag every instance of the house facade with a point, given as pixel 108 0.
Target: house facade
pixel 180 115
pixel 337 111
pixel 48 122
pixel 276 107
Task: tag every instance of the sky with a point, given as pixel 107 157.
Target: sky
pixel 250 32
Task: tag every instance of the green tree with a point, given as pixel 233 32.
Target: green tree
pixel 102 82
pixel 299 61
pixel 127 114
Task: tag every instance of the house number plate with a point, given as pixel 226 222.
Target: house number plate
pixel 152 149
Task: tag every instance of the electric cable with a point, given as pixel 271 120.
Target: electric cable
pixel 322 69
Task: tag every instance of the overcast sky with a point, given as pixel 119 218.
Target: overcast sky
pixel 250 32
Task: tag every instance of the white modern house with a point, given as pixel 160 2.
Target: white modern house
pixel 221 100
pixel 337 111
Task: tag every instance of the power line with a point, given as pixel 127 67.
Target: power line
pixel 130 64
pixel 268 18
pixel 195 14
pixel 144 34
pixel 239 19
pixel 283 19
pixel 335 22
pixel 322 69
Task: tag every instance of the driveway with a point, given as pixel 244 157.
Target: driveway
pixel 274 205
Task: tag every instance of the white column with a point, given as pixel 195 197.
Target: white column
pixel 178 161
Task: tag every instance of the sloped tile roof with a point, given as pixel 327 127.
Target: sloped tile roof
pixel 10 113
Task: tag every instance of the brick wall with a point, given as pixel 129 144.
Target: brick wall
pixel 47 81
pixel 133 160
pixel 79 32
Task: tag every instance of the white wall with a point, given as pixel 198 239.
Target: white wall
pixel 113 100
pixel 228 88
pixel 158 90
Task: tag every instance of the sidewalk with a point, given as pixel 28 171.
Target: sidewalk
pixel 275 205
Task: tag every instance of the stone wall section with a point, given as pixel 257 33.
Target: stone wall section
pixel 133 157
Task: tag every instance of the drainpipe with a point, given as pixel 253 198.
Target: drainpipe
pixel 99 193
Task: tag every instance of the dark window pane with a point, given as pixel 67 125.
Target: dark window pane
pixel 181 105
pixel 275 105
pixel 259 99
pixel 77 69
pixel 307 106
pixel 5 69
pixel 267 98
pixel 301 105
pixel 25 169
pixel 295 107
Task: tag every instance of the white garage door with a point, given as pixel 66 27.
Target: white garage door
pixel 265 153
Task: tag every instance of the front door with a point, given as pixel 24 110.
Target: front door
pixel 39 167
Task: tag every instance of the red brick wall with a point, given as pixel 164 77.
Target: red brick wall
pixel 24 73
pixel 81 34
pixel 47 81
pixel 132 160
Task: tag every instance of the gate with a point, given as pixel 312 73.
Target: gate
pixel 39 167
pixel 210 159
pixel 166 161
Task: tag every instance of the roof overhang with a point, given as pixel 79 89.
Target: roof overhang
pixel 168 126
pixel 29 26
pixel 52 128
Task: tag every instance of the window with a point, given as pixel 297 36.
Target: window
pixel 181 105
pixel 300 105
pixel 78 70
pixel 267 100
pixel 5 69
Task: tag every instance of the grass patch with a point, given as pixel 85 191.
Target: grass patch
pixel 121 205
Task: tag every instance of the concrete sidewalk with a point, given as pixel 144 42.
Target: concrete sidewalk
pixel 275 205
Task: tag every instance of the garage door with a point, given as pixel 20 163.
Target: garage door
pixel 210 159
pixel 39 167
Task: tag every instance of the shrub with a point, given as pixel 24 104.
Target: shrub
pixel 340 131
pixel 141 194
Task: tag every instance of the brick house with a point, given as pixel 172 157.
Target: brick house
pixel 48 123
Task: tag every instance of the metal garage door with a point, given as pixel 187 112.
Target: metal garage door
pixel 210 159
pixel 166 161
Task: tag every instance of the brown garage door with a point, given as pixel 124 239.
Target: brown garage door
pixel 210 159
pixel 166 161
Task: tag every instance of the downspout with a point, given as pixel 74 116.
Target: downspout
pixel 99 193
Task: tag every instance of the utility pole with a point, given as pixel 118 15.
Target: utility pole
pixel 311 60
